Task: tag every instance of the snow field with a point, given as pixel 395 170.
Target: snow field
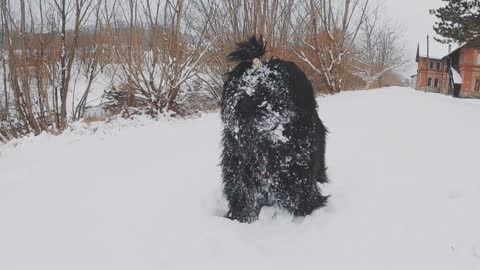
pixel 144 194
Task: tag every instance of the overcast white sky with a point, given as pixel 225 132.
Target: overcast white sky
pixel 417 23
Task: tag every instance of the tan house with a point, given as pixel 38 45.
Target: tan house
pixel 456 74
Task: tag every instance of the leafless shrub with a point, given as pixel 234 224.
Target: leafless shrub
pixel 169 56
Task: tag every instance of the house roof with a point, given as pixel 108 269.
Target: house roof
pixel 435 55
pixel 437 51
pixel 472 43
pixel 454 51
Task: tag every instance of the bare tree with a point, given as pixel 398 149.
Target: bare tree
pixel 379 50
pixel 92 50
pixel 327 35
pixel 234 21
pixel 18 66
pixel 6 113
pixel 80 10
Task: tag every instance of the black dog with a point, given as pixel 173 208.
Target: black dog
pixel 273 139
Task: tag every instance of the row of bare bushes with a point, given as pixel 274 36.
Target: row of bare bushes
pixel 169 56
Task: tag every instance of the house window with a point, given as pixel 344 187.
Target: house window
pixel 429 82
pixel 431 64
pixel 477 85
pixel 478 57
pixel 436 82
pixel 438 66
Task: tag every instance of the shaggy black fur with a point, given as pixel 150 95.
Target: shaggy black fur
pixel 273 139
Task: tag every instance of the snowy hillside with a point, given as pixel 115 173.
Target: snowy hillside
pixel 139 194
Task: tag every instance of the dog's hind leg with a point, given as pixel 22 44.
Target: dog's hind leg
pixel 310 203
pixel 318 152
pixel 300 197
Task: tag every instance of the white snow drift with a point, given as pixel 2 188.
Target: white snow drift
pixel 144 194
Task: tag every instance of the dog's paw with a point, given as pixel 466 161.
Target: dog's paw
pixel 241 218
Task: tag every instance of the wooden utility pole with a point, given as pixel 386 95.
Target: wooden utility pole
pixel 428 63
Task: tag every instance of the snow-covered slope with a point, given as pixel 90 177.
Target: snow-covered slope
pixel 140 194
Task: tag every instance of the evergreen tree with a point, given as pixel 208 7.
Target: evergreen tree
pixel 459 21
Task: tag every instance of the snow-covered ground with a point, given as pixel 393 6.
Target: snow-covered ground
pixel 143 194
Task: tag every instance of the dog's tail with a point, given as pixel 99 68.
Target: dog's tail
pixel 248 50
